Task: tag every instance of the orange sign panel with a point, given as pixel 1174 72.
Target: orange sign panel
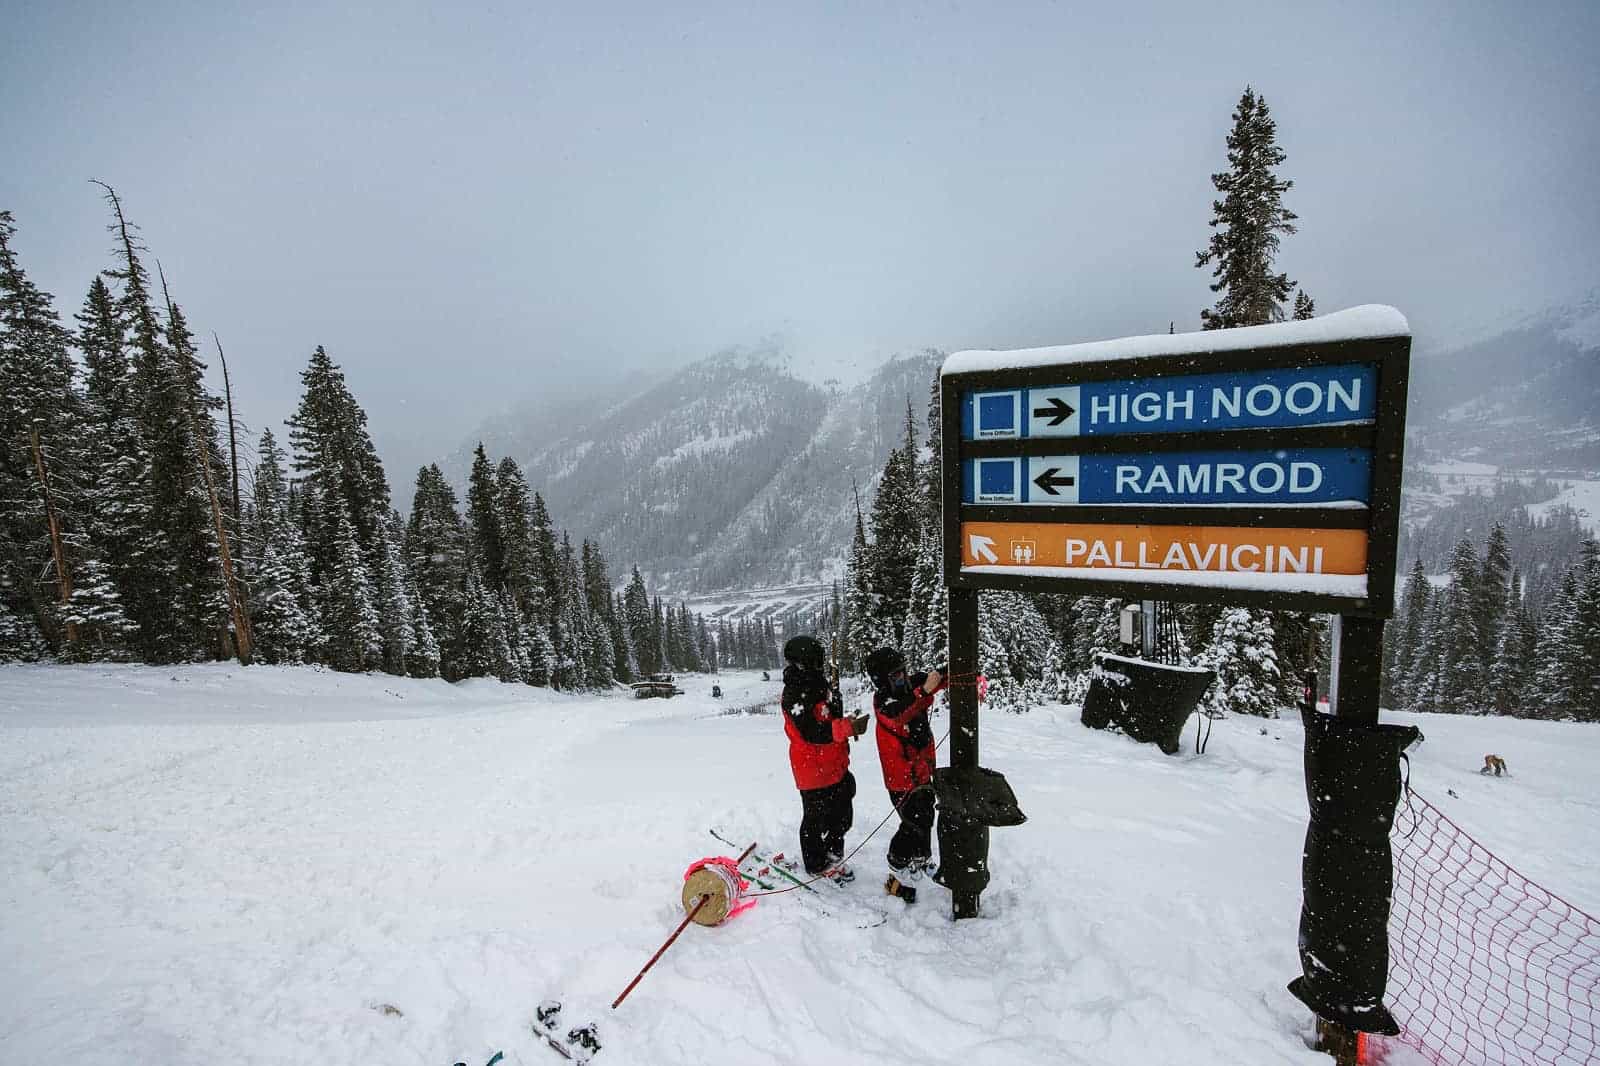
pixel 1194 548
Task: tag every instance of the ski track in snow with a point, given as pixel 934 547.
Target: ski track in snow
pixel 205 864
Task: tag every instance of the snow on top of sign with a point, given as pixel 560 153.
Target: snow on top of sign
pixel 1130 660
pixel 1367 322
pixel 1349 586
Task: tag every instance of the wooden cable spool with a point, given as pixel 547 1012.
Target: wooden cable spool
pixel 719 896
pixel 717 887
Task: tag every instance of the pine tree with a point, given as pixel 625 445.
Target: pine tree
pixel 196 467
pixel 484 650
pixel 283 608
pixel 1493 586
pixel 1398 683
pixel 1241 653
pixel 861 630
pixel 1304 306
pixel 1463 669
pixel 437 545
pixel 636 603
pixel 20 639
pixel 95 610
pixel 1295 639
pixel 393 599
pixel 932 473
pixel 423 659
pixel 898 512
pixel 36 378
pixel 514 517
pixel 1248 222
pixel 1014 649
pixel 1512 666
pixel 339 468
pixel 602 662
pixel 483 518
pixel 547 560
pixel 354 640
pixel 113 489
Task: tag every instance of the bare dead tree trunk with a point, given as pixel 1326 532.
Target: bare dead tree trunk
pixel 233 440
pixel 63 575
pixel 243 641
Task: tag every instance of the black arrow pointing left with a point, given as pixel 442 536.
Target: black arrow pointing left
pixel 1048 481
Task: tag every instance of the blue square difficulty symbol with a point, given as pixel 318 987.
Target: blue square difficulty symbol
pixel 997 412
pixel 997 477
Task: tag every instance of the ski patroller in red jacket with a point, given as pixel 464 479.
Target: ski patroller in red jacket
pixel 818 732
pixel 906 748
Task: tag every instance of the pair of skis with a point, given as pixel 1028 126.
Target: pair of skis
pixel 770 872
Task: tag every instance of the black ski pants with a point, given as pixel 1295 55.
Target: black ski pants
pixel 825 819
pixel 913 841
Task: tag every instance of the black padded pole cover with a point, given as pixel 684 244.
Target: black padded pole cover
pixel 1347 874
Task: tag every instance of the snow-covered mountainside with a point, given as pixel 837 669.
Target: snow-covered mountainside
pixel 209 864
pixel 1527 398
pixel 733 473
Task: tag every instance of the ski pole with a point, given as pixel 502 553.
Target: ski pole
pixel 701 902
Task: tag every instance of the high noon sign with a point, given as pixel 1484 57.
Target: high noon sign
pixel 1257 466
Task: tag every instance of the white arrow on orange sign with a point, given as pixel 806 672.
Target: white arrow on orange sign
pixel 983 548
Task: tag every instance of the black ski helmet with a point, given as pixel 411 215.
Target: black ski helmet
pixel 881 663
pixel 806 651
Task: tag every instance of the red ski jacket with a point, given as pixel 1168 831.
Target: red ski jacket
pixel 906 747
pixel 818 732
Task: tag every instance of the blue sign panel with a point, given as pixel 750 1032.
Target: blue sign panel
pixel 1303 476
pixel 1254 399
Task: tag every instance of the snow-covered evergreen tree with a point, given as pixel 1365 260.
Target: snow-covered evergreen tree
pixel 1493 592
pixel 1463 671
pixel 897 523
pixel 353 635
pixel 1406 633
pixel 862 632
pixel 20 639
pixel 422 659
pixel 483 519
pixel 1511 670
pixel 95 611
pixel 1014 650
pixel 283 609
pixel 1248 223
pixel 1246 665
pixel 393 600
pixel 37 403
pixel 437 546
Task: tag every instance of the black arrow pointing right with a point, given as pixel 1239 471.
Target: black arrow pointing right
pixel 1048 480
pixel 1058 411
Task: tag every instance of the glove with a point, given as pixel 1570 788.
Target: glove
pixel 932 682
pixel 858 723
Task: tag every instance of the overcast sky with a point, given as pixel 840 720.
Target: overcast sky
pixel 460 205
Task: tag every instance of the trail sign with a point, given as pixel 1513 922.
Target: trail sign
pixel 1258 466
pixel 1270 398
pixel 1284 476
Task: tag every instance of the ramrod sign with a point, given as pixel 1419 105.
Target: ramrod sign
pixel 1256 466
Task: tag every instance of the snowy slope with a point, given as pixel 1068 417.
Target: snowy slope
pixel 214 865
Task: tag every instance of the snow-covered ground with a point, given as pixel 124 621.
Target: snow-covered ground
pixel 1582 496
pixel 215 865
